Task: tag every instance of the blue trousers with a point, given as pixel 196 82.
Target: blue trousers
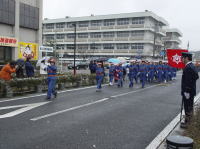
pixel 111 77
pixel 51 86
pixel 143 79
pixel 160 76
pixel 120 81
pixel 99 80
pixel 131 77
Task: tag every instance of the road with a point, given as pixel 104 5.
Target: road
pixel 116 118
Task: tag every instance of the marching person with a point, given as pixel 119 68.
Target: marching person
pixel 133 70
pixel 99 76
pixel 111 73
pixel 143 73
pixel 188 86
pixel 159 69
pixel 119 73
pixel 51 80
pixel 151 72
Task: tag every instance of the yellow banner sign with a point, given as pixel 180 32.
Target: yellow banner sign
pixel 28 50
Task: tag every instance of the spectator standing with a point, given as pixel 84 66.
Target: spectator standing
pixel 29 68
pixel 188 86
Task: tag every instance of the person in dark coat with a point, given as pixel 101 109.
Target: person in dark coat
pixel 188 86
pixel 92 67
pixel 29 68
pixel 20 69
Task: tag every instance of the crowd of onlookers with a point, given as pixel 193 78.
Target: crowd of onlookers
pixel 20 67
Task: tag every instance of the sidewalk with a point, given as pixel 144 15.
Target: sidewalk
pixel 177 130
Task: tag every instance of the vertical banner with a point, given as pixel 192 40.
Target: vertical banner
pixel 28 50
pixel 174 57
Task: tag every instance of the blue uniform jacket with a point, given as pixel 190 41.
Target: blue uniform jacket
pixel 52 71
pixel 29 69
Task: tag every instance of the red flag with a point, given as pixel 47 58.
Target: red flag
pixel 174 57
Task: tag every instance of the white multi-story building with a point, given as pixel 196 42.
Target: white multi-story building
pixel 20 27
pixel 172 41
pixel 127 34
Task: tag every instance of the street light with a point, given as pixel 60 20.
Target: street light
pixel 74 25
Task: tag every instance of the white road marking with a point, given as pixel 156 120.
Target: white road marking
pixel 46 94
pixel 70 109
pixel 88 104
pixel 167 130
pixel 24 108
pixel 133 91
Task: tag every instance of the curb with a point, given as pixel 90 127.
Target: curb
pixel 160 138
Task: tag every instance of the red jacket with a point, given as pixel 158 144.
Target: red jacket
pixel 6 72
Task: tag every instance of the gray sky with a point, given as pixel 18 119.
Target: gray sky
pixel 181 14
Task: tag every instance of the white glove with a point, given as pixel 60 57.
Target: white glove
pixel 187 95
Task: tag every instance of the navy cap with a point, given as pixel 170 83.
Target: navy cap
pixel 187 54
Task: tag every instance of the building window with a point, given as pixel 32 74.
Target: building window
pixel 83 35
pixel 60 36
pixel 5 54
pixel 83 24
pixel 122 34
pixel 70 46
pixel 109 22
pixel 70 25
pixel 108 34
pixel 96 23
pixel 124 21
pixel 108 46
pixel 123 46
pixel 138 21
pixel 82 46
pixel 60 25
pixel 137 33
pixel 95 35
pixel 70 36
pixel 137 46
pixel 60 46
pixel 7 11
pixel 94 46
pixel 49 37
pixel 29 16
pixel 49 26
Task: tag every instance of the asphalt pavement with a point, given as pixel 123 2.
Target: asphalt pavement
pixel 116 118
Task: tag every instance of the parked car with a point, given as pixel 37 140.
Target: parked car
pixel 78 65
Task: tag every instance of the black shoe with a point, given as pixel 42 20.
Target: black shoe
pixel 55 95
pixel 48 98
pixel 184 125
